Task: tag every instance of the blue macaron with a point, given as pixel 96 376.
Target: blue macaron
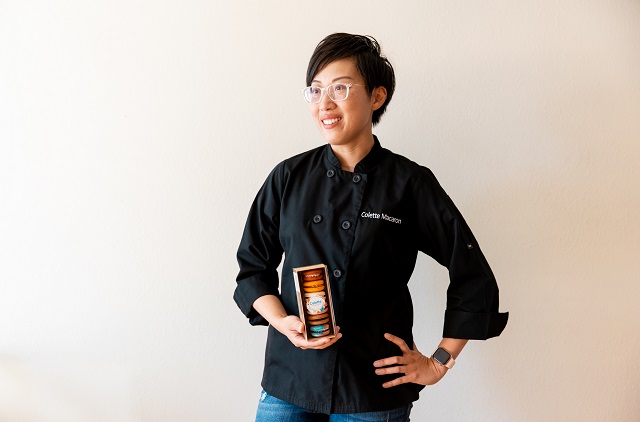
pixel 319 330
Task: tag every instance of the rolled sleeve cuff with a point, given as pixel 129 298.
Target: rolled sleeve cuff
pixel 247 291
pixel 474 326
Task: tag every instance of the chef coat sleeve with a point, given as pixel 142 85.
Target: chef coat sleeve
pixel 260 250
pixel 472 295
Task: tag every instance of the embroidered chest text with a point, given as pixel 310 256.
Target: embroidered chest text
pixel 380 216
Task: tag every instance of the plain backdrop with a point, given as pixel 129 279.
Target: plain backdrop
pixel 135 134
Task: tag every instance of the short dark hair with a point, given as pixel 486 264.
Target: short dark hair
pixel 372 65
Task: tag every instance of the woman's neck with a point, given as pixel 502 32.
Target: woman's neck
pixel 351 154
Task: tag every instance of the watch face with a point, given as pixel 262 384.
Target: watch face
pixel 441 356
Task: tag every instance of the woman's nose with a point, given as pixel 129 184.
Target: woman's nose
pixel 326 103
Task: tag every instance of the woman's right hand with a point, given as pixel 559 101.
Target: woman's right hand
pixel 292 327
pixel 270 307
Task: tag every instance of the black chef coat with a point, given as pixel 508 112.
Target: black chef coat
pixel 367 227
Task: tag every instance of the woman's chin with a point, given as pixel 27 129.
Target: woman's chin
pixel 332 139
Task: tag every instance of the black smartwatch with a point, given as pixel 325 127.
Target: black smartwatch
pixel 443 357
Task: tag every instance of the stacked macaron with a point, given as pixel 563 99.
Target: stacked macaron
pixel 316 308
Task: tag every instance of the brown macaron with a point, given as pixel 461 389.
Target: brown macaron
pixel 319 321
pixel 313 275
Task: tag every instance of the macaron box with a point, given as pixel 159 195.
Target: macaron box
pixel 314 301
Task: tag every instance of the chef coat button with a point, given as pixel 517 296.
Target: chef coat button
pixel 317 218
pixel 357 178
pixel 331 173
pixel 337 273
pixel 346 225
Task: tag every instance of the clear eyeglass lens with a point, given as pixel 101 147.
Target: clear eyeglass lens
pixel 313 94
pixel 338 92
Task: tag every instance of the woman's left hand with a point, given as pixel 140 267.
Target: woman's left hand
pixel 416 367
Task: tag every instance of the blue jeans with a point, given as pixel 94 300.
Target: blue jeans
pixel 271 409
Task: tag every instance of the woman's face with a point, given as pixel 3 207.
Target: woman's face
pixel 345 122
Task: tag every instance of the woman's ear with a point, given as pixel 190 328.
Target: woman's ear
pixel 378 97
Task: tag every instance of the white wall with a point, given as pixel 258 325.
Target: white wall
pixel 135 134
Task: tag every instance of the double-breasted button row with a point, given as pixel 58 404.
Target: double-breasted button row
pixel 356 177
pixel 346 224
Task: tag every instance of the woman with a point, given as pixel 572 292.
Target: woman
pixel 365 212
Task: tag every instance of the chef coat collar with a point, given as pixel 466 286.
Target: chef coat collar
pixel 366 164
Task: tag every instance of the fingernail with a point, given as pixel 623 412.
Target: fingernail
pixel 376 363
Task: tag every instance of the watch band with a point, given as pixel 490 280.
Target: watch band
pixel 443 357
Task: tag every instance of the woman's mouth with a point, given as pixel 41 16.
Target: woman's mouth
pixel 329 122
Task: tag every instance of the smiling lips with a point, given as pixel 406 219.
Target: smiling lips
pixel 331 121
